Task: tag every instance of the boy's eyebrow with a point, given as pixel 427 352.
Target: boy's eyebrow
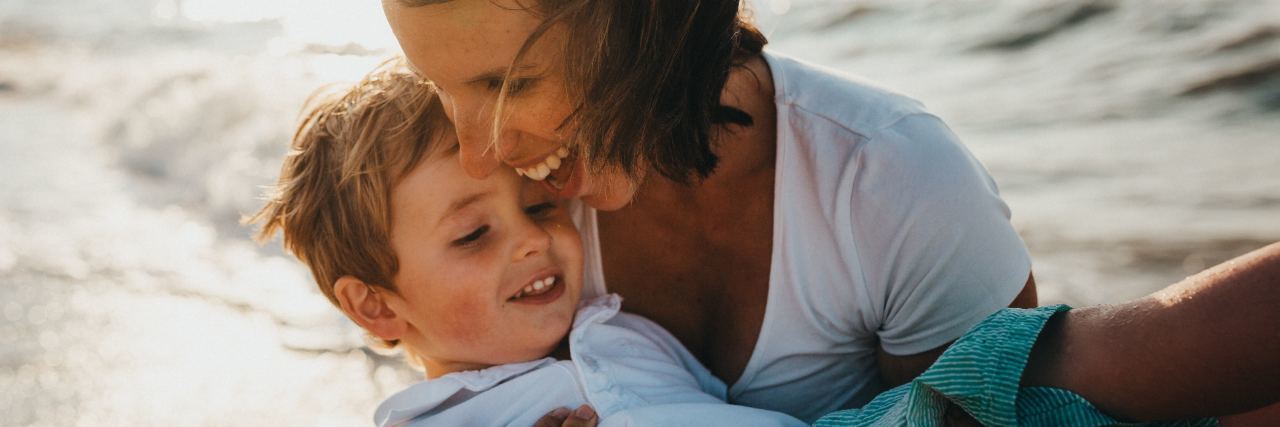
pixel 459 204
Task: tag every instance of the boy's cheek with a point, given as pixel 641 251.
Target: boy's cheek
pixel 569 246
pixel 459 321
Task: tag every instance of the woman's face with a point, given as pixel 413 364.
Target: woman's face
pixel 465 47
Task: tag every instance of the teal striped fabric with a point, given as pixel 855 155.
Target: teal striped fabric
pixel 980 373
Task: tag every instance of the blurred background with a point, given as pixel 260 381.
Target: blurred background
pixel 1136 142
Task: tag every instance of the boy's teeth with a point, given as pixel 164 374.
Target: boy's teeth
pixel 536 287
pixel 541 170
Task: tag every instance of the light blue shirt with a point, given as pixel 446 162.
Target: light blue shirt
pixel 629 369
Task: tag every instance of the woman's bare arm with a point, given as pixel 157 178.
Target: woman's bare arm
pixel 1207 346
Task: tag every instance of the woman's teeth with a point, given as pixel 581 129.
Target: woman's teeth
pixel 540 171
pixel 536 288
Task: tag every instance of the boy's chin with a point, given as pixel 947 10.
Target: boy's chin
pixel 558 347
pixel 555 349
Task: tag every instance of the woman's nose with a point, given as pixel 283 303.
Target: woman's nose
pixel 476 150
pixel 477 158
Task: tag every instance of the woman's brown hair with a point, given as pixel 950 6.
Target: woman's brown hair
pixel 645 78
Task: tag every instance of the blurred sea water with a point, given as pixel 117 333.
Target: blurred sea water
pixel 1136 142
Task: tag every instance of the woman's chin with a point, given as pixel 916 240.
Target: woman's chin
pixel 606 202
pixel 609 191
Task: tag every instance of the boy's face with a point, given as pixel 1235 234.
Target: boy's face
pixel 490 270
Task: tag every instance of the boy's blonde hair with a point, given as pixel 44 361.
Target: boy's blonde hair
pixel 332 201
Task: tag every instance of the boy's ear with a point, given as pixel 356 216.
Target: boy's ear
pixel 367 306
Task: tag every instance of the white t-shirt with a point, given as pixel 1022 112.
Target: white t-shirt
pixel 628 368
pixel 886 232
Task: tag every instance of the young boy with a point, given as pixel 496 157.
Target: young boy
pixel 478 281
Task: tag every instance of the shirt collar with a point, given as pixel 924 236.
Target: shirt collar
pixel 422 397
pixel 597 310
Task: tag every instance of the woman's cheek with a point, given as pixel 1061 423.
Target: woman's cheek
pixel 548 107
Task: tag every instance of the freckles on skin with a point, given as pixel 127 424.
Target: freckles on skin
pixel 445 41
pixel 462 46
pixel 460 320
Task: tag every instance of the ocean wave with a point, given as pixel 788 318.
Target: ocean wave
pixel 1044 21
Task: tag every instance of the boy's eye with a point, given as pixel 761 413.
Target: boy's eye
pixel 472 237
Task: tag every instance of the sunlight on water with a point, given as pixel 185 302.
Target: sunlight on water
pixel 1134 142
pixel 222 10
pixel 333 23
pixel 779 7
pixel 338 23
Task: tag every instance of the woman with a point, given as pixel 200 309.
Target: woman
pixel 811 238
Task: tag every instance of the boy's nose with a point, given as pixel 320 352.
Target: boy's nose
pixel 533 241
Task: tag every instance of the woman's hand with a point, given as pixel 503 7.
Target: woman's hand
pixel 584 416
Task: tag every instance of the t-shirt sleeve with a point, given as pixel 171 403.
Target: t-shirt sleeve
pixel 937 249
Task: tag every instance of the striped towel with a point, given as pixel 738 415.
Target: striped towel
pixel 980 373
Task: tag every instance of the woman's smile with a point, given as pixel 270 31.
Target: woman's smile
pixel 543 168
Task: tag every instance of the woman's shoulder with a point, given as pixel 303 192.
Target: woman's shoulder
pixel 838 125
pixel 825 96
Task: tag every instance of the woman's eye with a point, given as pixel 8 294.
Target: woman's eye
pixel 473 237
pixel 540 210
pixel 516 85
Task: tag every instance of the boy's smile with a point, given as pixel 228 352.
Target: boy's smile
pixel 490 270
pixel 540 291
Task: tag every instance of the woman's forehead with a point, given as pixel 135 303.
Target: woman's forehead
pixel 459 40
